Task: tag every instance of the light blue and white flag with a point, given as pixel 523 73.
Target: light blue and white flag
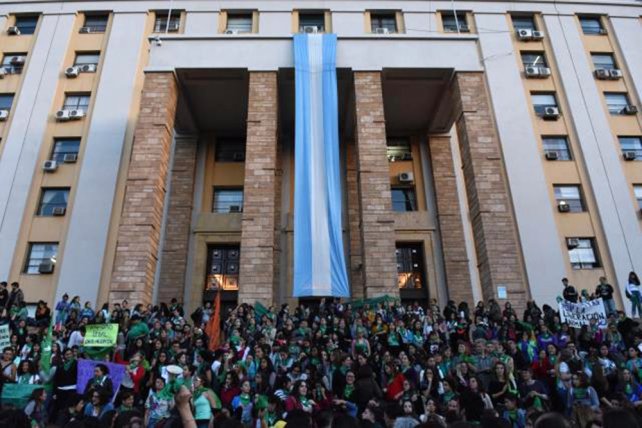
pixel 319 261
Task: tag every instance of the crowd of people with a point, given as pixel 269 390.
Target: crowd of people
pixel 373 364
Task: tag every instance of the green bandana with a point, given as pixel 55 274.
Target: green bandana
pixel 68 364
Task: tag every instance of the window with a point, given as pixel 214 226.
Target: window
pixel 591 25
pixel 95 23
pixel 383 22
pixel 603 60
pixel 403 199
pixel 559 145
pixel 616 102
pixel 631 145
pixel 27 23
pixel 229 150
pixel 6 100
pixel 410 262
pixel 84 58
pixel 570 195
pixel 163 25
pixel 13 63
pixel 542 101
pixel 524 23
pixel 50 199
pixel 239 22
pixel 455 22
pixel 398 149
pixel 311 19
pixel 40 253
pixel 228 200
pixel 223 267
pixel 534 59
pixel 76 102
pixel 583 256
pixel 64 146
pixel 637 189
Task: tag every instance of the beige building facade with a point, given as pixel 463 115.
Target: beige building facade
pixel 488 149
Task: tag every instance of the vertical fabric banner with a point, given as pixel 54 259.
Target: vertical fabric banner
pixel 319 260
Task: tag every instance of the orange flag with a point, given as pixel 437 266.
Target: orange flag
pixel 213 328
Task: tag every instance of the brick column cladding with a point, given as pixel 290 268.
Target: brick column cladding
pixel 451 227
pixel 377 223
pixel 179 219
pixel 354 223
pixel 496 242
pixel 260 203
pixel 140 223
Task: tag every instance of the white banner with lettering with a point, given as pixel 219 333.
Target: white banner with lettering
pixel 579 314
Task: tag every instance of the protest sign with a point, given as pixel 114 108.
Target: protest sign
pixel 579 314
pixel 99 335
pixel 5 336
pixel 16 394
pixel 86 372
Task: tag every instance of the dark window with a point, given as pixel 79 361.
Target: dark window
pixel 398 149
pixel 558 145
pixel 223 267
pixel 591 25
pixel 312 19
pixel 39 253
pixel 228 200
pixel 455 22
pixel 524 23
pixel 570 195
pixel 616 102
pixel 410 266
pixel 403 199
pixel 534 59
pixel 76 102
pixel 383 20
pixel 96 23
pixel 13 63
pixel 27 23
pixel 542 101
pixel 584 255
pixel 239 22
pixel 161 24
pixel 631 145
pixel 229 150
pixel 6 100
pixel 84 58
pixel 603 60
pixel 637 189
pixel 53 198
pixel 64 146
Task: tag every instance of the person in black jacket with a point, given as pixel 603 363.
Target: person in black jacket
pixel 65 381
pixel 569 293
pixel 100 382
pixel 605 291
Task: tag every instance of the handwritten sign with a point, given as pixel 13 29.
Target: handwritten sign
pixel 5 336
pixel 579 314
pixel 86 372
pixel 100 335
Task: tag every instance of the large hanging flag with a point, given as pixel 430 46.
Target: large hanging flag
pixel 319 261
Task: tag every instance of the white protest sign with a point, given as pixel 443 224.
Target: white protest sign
pixel 579 314
pixel 5 336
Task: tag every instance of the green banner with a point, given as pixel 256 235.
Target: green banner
pixel 15 394
pixel 100 335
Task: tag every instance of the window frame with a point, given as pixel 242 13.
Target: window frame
pixel 46 209
pixel 78 106
pixel 617 109
pixel 567 150
pixel 539 108
pixel 302 14
pixel 398 152
pixel 6 96
pixel 78 54
pixel 409 201
pixel 590 30
pixel 515 18
pixel 98 26
pixel 224 207
pixel 576 204
pixel 237 15
pixel 161 18
pixel 225 146
pixel 30 250
pixel 611 66
pixel 59 156
pixel 21 26
pixel 418 270
pixel 456 25
pixel 378 16
pixel 638 198
pixel 539 54
pixel 580 264
pixel 635 138
pixel 223 268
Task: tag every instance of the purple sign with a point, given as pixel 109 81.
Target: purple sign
pixel 86 372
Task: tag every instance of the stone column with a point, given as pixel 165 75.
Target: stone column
pixel 140 223
pixel 496 243
pixel 451 227
pixel 377 223
pixel 260 206
pixel 175 246
pixel 354 223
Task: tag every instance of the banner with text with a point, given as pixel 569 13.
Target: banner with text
pixel 86 372
pixel 5 336
pixel 99 335
pixel 579 314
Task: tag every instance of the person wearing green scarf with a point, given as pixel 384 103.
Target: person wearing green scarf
pixel 515 417
pixel 204 400
pixel 583 399
pixel 65 380
pixel 127 402
pixel 159 403
pixel 100 382
pixel 244 401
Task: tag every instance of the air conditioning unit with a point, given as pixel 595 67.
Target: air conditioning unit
pixel 602 74
pixel 551 155
pixel 4 114
pixel 13 31
pixel 544 72
pixel 46 267
pixel 50 166
pixel 59 211
pixel 87 68
pixel 70 158
pixel 603 31
pixel 76 114
pixel 238 156
pixel 538 35
pixel 310 29
pixel 381 30
pixel 18 60
pixel 563 207
pixel 464 28
pixel 630 110
pixel 531 72
pixel 85 30
pixel 174 26
pixel 552 113
pixel 235 208
pixel 615 73
pixel 3 72
pixel 406 177
pixel 524 34
pixel 62 115
pixel 630 156
pixel 231 32
pixel 572 243
pixel 72 72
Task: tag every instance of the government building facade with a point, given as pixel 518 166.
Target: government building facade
pixel 486 148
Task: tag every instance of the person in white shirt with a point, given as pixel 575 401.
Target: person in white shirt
pixel 633 293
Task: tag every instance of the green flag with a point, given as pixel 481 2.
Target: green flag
pixel 45 357
pixel 260 310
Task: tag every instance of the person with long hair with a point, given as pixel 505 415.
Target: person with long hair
pixel 629 387
pixel 26 374
pixel 502 384
pixel 35 408
pixel 634 293
pixel 98 405
pixel 204 400
pixel 242 404
pixel 475 400
pixel 159 403
pixel 299 400
pixel 582 399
